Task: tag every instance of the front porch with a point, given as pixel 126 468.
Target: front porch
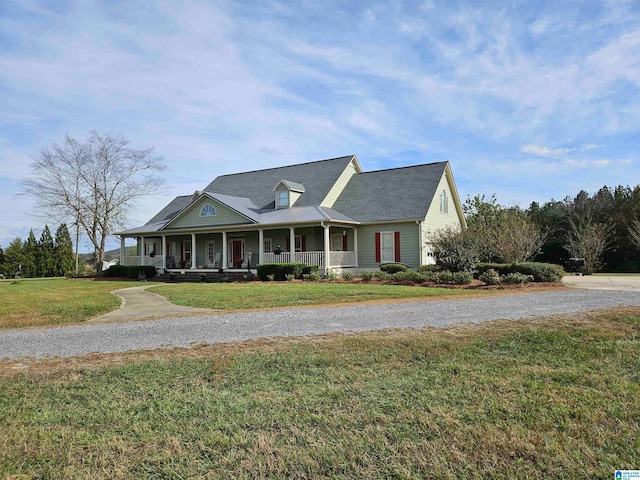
pixel 242 250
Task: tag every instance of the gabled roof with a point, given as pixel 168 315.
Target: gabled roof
pixel 171 210
pixel 296 187
pixel 394 194
pixel 398 194
pixel 258 185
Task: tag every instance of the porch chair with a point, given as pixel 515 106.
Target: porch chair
pixel 216 261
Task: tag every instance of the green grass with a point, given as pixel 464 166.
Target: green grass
pixel 246 296
pixel 41 302
pixel 538 400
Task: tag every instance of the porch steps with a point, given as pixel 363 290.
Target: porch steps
pixel 201 277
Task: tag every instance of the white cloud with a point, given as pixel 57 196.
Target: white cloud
pixel 601 163
pixel 542 151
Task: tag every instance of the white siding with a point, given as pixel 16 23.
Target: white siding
pixel 338 187
pixel 436 219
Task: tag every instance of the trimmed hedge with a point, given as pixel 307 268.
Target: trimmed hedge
pixel 280 270
pixel 429 268
pixel 310 269
pixel 393 268
pixel 129 271
pixel 541 272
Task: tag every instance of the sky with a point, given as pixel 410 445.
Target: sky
pixel 530 101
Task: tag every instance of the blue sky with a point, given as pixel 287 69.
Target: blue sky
pixel 527 100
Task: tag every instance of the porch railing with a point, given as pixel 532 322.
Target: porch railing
pixel 146 261
pixel 347 258
pixel 312 258
pixel 343 259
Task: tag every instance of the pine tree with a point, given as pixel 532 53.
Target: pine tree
pixel 30 256
pixel 13 258
pixel 63 251
pixel 46 254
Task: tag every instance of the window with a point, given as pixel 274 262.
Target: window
pixel 283 199
pixel 187 250
pixel 444 202
pixel 150 248
pixel 298 243
pixel 268 246
pixel 208 211
pixel 387 247
pixel 336 242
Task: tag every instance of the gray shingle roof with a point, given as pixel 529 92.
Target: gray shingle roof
pixel 171 210
pixel 387 195
pixel 317 177
pixel 384 195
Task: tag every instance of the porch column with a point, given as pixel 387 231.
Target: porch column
pixel 260 245
pixel 164 252
pixel 193 251
pixel 292 243
pixel 355 244
pixel 142 251
pixel 121 250
pixel 224 250
pixel 327 263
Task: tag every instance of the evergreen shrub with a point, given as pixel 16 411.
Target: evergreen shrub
pixel 366 275
pixel 462 278
pixel 541 272
pixel 129 271
pixel 490 277
pixel 393 268
pixel 279 270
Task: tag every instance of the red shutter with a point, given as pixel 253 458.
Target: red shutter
pixel 288 244
pixel 304 243
pixel 344 243
pixel 377 247
pixel 396 244
pixel 144 248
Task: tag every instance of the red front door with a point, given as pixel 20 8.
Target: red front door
pixel 236 251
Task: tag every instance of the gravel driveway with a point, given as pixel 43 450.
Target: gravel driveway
pixel 185 331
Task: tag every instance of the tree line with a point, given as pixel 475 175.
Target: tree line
pixel 47 257
pixel 603 229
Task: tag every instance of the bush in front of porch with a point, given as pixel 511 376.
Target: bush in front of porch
pixel 129 271
pixel 281 270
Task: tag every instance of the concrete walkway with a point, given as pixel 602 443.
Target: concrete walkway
pixel 138 305
pixel 601 282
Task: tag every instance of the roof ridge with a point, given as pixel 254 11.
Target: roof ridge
pixel 406 166
pixel 286 166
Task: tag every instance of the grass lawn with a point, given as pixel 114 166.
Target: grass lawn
pixel 250 296
pixel 40 302
pixel 554 398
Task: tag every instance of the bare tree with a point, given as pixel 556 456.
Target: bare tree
pixel 95 184
pixel 589 240
pixel 515 238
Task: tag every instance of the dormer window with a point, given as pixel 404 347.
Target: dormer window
pixel 287 193
pixel 283 198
